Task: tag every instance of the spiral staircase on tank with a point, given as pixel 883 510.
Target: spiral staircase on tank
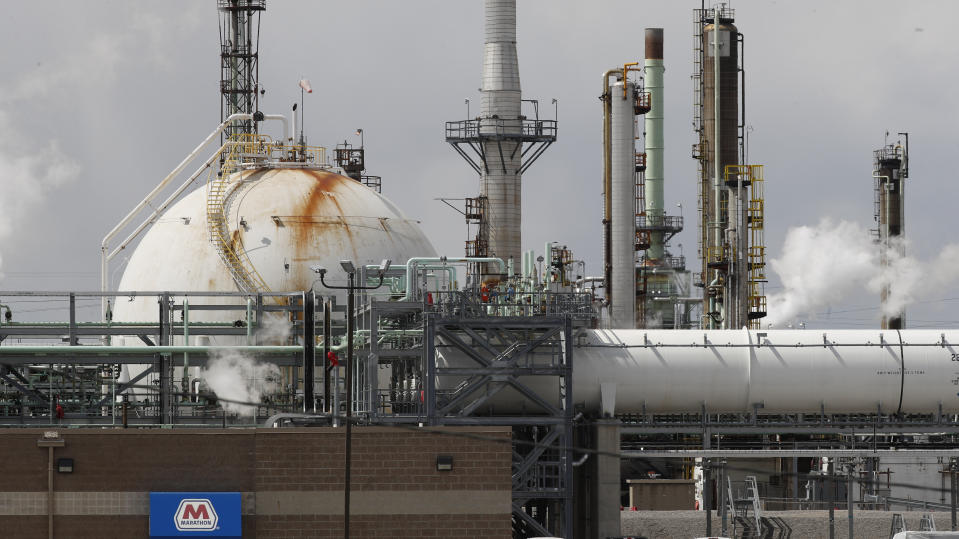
pixel 219 191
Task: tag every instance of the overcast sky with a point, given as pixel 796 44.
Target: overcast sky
pixel 100 99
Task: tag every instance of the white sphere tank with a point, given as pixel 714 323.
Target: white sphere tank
pixel 286 220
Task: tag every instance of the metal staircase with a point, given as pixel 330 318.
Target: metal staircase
pixel 219 191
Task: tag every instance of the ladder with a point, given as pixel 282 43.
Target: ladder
pixel 219 191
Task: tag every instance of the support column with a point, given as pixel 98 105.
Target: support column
pixel 165 363
pixel 606 491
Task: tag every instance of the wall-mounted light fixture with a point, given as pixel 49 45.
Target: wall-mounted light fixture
pixel 444 463
pixel 65 465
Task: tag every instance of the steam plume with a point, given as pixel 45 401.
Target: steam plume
pixel 240 377
pixel 822 264
pixel 26 176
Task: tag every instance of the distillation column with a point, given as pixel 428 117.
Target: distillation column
pixel 622 97
pixel 890 170
pixel 500 182
pixel 723 218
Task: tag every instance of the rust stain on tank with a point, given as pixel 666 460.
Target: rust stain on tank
pixel 321 201
pixel 324 191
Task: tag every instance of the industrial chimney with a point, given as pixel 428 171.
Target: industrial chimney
pixel 501 143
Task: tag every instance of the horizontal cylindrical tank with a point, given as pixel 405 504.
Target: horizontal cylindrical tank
pixel 843 371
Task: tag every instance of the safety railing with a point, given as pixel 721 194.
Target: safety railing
pixel 521 128
pixel 509 303
pixel 667 223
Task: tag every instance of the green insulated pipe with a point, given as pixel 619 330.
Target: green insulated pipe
pixel 654 138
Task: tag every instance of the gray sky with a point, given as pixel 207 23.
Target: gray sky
pixel 99 100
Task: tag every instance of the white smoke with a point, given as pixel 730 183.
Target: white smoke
pixel 242 378
pixel 27 175
pixel 823 264
pixel 30 170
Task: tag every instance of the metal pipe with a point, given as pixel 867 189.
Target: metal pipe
pixel 249 321
pixel 413 262
pixel 119 350
pixel 717 192
pixel 105 243
pixel 286 125
pixel 450 272
pixel 166 203
pixel 736 370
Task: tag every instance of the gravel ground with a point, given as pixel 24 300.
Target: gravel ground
pixel 805 524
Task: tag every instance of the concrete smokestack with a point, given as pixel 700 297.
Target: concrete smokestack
pixel 501 94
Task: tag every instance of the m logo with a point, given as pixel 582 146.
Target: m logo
pixel 195 515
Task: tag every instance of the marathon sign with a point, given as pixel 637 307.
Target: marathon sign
pixel 195 514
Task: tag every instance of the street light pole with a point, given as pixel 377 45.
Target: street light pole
pixel 351 289
pixel 349 400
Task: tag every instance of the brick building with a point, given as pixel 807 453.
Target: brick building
pixel 290 480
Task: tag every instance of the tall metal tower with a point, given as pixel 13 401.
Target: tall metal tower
pixel 501 143
pixel 663 285
pixel 731 194
pixel 890 168
pixel 239 69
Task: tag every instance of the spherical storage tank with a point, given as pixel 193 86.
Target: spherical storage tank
pixel 286 220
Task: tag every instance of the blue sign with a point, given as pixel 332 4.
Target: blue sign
pixel 195 514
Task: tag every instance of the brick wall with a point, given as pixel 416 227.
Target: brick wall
pixel 291 480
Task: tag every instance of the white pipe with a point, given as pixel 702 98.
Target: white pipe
pixel 105 243
pixel 166 203
pixel 286 124
pixel 169 177
pixel 776 371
